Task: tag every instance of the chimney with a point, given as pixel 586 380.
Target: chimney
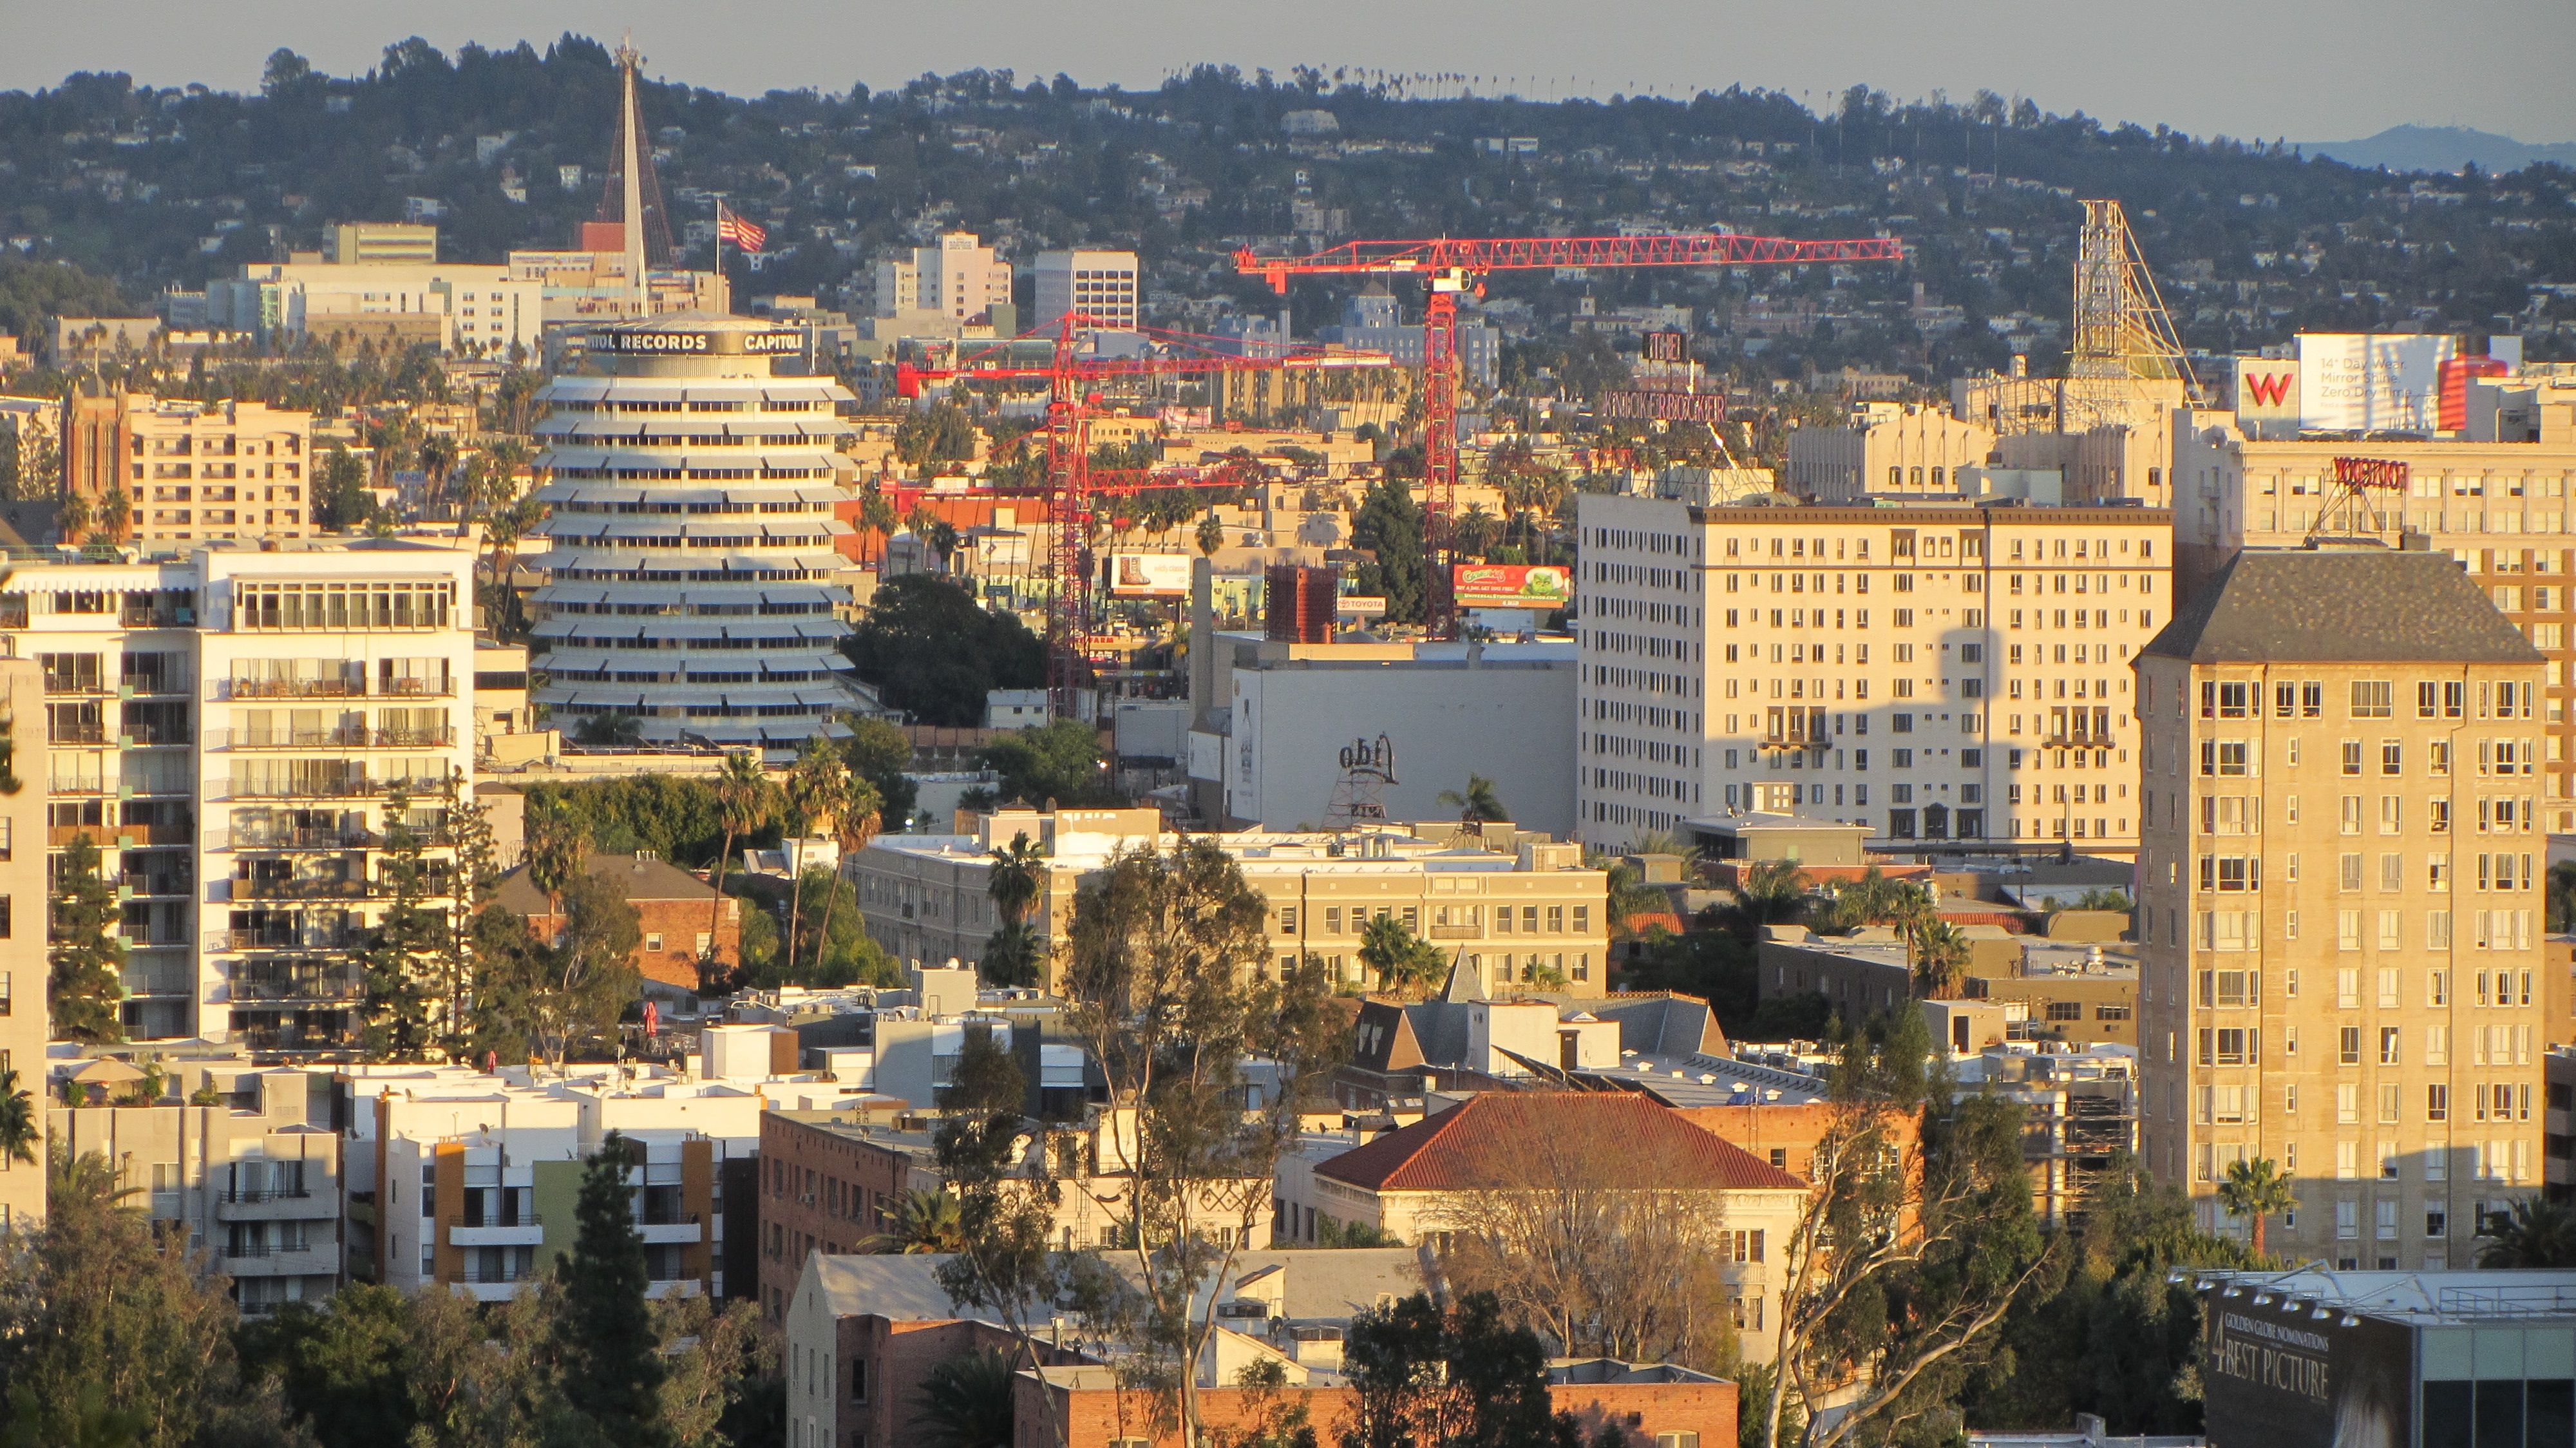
pixel 1202 637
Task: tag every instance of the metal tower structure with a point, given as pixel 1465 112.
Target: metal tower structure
pixel 1450 266
pixel 632 197
pixel 2122 347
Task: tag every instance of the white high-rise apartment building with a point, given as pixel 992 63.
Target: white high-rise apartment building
pixel 1098 284
pixel 690 586
pixel 231 729
pixel 2340 919
pixel 1954 677
pixel 960 279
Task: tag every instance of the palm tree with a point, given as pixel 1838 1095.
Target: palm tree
pixel 928 1221
pixel 2537 1233
pixel 437 463
pixel 965 1401
pixel 558 841
pixel 814 791
pixel 1479 804
pixel 20 1127
pixel 72 518
pixel 1018 873
pixel 1211 534
pixel 743 804
pixel 1940 958
pixel 116 515
pixel 1773 891
pixel 1402 960
pixel 855 821
pixel 2256 1190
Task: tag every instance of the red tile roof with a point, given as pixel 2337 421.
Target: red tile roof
pixel 1486 1141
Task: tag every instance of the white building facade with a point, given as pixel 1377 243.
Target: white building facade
pixel 231 730
pixel 690 583
pixel 1100 285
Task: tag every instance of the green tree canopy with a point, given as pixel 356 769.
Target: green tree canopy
pixel 934 653
pixel 1059 761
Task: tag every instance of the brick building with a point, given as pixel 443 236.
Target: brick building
pixel 1660 1405
pixel 829 1183
pixel 191 470
pixel 675 910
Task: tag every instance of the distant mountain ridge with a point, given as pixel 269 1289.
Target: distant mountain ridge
pixel 2441 148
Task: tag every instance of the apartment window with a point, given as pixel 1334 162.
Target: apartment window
pixel 2437 1103
pixel 2372 698
pixel 2352 756
pixel 2348 872
pixel 2348 1046
pixel 2388 1052
pixel 2392 757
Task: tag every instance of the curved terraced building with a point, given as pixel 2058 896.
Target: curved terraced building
pixel 688 583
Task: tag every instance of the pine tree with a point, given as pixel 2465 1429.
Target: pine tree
pixel 474 877
pixel 87 956
pixel 611 1356
pixel 400 995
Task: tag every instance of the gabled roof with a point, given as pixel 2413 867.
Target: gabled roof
pixel 638 877
pixel 2360 605
pixel 1491 1139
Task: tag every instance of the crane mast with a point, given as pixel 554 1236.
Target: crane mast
pixel 1450 265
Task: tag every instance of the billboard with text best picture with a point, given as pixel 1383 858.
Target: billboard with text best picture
pixel 1149 575
pixel 1511 585
pixel 2371 381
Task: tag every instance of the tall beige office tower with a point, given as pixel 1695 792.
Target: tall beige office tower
pixel 2340 911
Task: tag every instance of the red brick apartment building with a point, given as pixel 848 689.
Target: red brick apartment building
pixel 829 1183
pixel 674 907
pixel 1653 1407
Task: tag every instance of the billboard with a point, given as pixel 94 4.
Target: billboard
pixel 2275 1375
pixel 1650 404
pixel 2371 381
pixel 1149 575
pixel 1667 347
pixel 2267 397
pixel 1511 585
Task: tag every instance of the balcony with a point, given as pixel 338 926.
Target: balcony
pixel 266 1261
pixel 297 839
pixel 158 736
pixel 527 1231
pixel 338 689
pixel 290 1040
pixel 293 1205
pixel 341 787
pixel 682 1229
pixel 311 986
pixel 134 883
pixel 1457 932
pixel 289 940
pixel 78 734
pixel 355 737
pixel 307 889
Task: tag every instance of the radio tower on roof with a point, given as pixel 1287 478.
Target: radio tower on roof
pixel 2123 335
pixel 632 197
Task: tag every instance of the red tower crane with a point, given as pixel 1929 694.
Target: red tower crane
pixel 1072 482
pixel 1449 266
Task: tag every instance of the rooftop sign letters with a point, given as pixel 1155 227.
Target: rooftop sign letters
pixel 2370 473
pixel 678 343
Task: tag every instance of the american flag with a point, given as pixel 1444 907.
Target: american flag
pixel 746 235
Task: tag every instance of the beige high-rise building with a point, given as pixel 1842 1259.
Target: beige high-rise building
pixel 2340 917
pixel 190 471
pixel 1886 449
pixel 23 1025
pixel 1954 677
pixel 2497 499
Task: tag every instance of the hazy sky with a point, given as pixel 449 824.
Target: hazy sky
pixel 2305 69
